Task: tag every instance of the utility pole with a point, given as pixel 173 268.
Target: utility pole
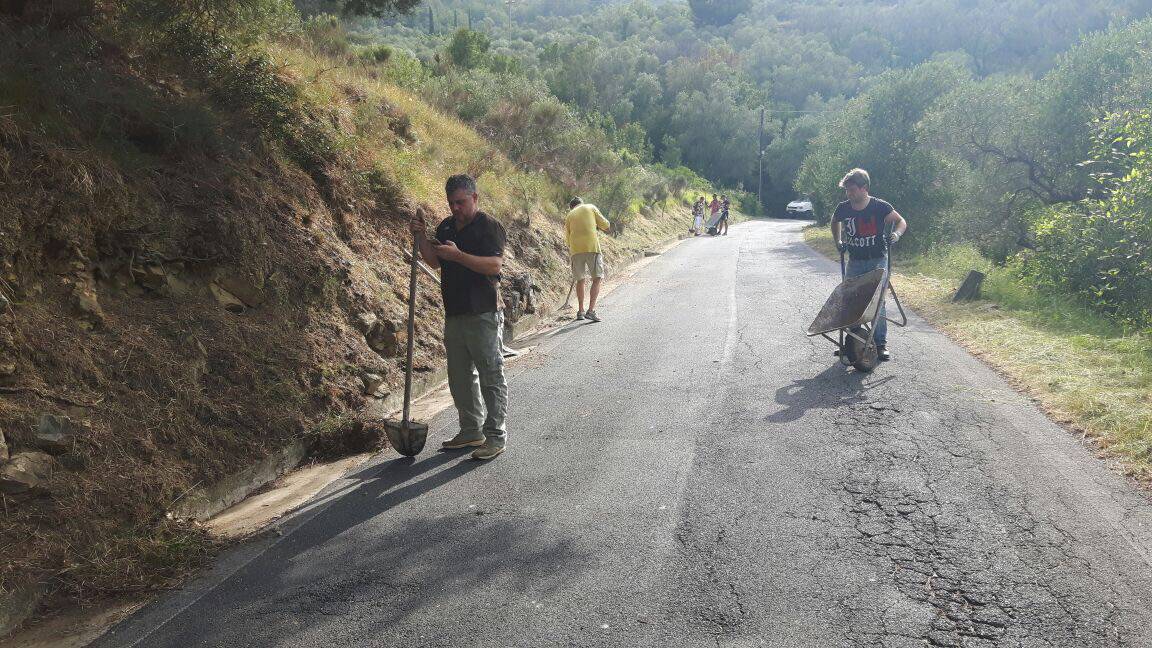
pixel 509 3
pixel 760 156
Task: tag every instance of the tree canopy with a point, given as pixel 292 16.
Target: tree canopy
pixel 376 8
pixel 717 12
pixel 982 119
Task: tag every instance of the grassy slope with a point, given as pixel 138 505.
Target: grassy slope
pixel 444 145
pixel 112 172
pixel 1084 371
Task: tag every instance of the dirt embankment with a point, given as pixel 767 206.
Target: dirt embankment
pixel 182 294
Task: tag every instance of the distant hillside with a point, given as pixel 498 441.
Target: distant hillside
pixel 693 76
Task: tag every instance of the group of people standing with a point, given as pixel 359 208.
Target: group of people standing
pixel 468 248
pixel 718 215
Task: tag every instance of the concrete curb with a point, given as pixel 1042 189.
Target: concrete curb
pixel 420 386
pixel 656 251
pixel 203 503
pixel 622 264
pixel 524 324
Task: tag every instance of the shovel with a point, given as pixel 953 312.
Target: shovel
pixel 408 437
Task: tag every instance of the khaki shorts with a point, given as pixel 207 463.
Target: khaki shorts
pixel 588 264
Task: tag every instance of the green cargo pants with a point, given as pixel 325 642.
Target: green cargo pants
pixel 476 373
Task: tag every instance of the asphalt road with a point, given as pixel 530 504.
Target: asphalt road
pixel 694 471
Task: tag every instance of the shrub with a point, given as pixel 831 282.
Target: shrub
pixel 378 54
pixel 1100 250
pixel 150 23
pixel 469 49
pixel 247 81
pixel 327 36
pixel 533 127
pixel 614 197
pixel 746 203
pixel 397 66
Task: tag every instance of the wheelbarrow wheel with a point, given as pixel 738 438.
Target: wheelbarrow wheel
pixel 862 356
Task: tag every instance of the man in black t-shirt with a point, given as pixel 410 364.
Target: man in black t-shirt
pixel 469 249
pixel 864 220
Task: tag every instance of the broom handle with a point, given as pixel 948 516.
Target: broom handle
pixel 568 297
pixel 411 331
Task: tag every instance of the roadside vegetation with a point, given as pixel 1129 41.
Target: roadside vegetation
pixel 1088 372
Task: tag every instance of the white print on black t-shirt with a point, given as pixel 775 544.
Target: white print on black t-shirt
pixel 861 231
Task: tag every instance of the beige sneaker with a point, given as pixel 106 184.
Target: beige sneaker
pixel 464 440
pixel 487 451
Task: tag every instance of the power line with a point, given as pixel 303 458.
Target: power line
pixel 801 111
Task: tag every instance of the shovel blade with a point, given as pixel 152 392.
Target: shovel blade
pixel 407 437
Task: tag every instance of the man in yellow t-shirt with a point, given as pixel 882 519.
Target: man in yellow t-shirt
pixel 584 245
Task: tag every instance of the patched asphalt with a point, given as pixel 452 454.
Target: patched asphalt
pixel 694 471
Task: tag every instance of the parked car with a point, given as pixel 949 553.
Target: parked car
pixel 800 208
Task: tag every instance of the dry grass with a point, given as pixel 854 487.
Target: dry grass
pixel 530 205
pixel 1085 371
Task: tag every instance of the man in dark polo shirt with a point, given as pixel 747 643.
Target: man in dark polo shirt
pixel 864 219
pixel 468 249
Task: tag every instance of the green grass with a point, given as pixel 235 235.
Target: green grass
pixel 1085 370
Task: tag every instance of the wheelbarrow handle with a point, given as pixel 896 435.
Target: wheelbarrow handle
pixel 888 229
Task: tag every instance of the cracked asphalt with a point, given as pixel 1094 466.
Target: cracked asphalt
pixel 694 471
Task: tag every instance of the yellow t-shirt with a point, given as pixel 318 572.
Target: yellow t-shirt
pixel 580 228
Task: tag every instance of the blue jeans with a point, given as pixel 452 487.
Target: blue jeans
pixel 857 267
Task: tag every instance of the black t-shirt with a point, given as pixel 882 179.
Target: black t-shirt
pixel 465 291
pixel 864 229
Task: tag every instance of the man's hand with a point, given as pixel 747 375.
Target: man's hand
pixel 893 236
pixel 447 251
pixel 418 226
pixel 841 247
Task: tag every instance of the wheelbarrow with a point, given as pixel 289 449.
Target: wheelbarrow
pixel 852 312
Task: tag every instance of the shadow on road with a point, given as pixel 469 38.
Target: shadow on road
pixel 832 388
pixel 547 334
pixel 375 554
pixel 378 489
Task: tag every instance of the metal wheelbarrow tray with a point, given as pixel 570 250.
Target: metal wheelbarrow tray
pixel 854 302
pixel 853 309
